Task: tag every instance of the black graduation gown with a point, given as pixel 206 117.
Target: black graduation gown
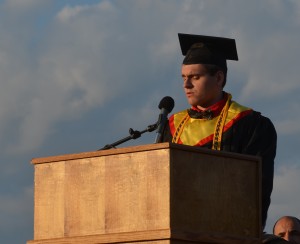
pixel 253 134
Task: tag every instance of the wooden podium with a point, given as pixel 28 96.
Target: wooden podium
pixel 159 193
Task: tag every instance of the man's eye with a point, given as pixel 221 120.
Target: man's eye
pixel 196 77
pixel 295 233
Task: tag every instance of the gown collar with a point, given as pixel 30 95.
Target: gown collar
pixel 210 112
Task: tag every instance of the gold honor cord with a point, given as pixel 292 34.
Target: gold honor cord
pixel 220 125
pixel 180 128
pixel 218 129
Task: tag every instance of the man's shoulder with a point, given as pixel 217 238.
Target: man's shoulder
pixel 237 107
pixel 254 114
pixel 251 119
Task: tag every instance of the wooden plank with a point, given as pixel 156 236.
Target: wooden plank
pixel 100 153
pixel 49 200
pixel 164 236
pixel 84 197
pixel 137 187
pixel 149 236
pixel 148 147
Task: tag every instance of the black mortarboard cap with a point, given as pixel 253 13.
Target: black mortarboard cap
pixel 199 49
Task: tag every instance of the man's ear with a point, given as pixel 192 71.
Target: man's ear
pixel 220 78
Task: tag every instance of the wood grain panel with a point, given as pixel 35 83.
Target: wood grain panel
pixel 49 200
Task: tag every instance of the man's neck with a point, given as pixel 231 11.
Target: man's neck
pixel 219 98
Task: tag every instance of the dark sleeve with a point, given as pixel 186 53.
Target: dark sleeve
pixel 261 141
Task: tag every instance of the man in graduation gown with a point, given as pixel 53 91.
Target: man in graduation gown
pixel 214 119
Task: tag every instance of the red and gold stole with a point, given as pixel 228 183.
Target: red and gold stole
pixel 197 132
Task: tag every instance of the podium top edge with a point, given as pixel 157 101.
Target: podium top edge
pixel 99 153
pixel 140 148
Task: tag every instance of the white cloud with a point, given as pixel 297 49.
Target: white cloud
pixel 68 13
pixel 83 60
pixel 91 54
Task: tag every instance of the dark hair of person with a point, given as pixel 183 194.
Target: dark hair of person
pixel 213 69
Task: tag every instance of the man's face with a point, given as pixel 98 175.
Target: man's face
pixel 201 89
pixel 288 229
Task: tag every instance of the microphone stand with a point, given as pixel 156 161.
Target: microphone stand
pixel 134 134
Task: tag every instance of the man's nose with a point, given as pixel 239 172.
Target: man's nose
pixel 187 83
pixel 287 236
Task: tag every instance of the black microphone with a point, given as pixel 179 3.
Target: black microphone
pixel 166 105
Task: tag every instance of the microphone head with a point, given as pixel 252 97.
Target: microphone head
pixel 167 103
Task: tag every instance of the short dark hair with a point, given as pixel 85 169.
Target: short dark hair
pixel 213 69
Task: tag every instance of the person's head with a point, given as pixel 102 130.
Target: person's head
pixel 288 228
pixel 204 68
pixel 202 87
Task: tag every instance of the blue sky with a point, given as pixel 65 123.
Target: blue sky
pixel 76 75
